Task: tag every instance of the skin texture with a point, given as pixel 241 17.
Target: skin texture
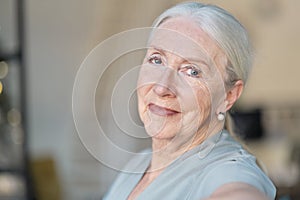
pixel 178 108
pixel 180 92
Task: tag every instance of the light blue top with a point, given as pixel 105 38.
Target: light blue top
pixel 196 174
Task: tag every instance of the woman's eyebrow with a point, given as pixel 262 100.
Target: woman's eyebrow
pixel 161 50
pixel 192 59
pixel 196 60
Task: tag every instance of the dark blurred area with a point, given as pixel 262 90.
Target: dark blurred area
pixel 248 124
pixel 42 45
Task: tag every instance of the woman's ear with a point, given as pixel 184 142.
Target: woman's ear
pixel 234 93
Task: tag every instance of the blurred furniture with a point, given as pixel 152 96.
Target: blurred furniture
pixel 248 124
pixel 272 135
pixel 46 179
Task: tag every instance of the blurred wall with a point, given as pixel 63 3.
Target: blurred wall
pixel 59 36
pixel 60 33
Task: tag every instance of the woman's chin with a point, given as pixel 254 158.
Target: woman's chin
pixel 161 136
pixel 161 133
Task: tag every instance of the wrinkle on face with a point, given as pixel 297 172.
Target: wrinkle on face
pixel 180 40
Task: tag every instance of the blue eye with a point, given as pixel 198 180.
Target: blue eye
pixel 192 71
pixel 155 59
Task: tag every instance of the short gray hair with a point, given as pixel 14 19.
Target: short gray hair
pixel 222 27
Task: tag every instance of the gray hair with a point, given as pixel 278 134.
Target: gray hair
pixel 222 27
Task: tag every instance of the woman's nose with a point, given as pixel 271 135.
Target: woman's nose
pixel 165 86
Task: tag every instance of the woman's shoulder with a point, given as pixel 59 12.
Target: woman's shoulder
pixel 229 162
pixel 226 147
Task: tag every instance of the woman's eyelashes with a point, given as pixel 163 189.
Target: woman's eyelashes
pixel 191 70
pixel 155 59
pixel 188 69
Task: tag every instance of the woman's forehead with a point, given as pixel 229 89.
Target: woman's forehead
pixel 185 38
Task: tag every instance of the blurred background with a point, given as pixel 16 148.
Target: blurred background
pixel 42 45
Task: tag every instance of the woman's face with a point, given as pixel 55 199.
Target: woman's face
pixel 180 84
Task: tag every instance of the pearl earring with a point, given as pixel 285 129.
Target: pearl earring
pixel 221 116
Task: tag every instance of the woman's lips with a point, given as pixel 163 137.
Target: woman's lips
pixel 161 111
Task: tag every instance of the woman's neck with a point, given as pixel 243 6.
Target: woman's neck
pixel 165 151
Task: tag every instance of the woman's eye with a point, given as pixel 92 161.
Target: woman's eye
pixel 192 71
pixel 155 59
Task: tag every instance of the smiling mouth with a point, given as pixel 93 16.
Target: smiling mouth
pixel 161 111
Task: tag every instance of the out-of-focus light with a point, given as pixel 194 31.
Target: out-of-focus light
pixel 11 185
pixel 17 135
pixel 3 69
pixel 1 87
pixel 14 117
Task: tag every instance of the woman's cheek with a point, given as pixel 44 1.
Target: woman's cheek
pixel 203 101
pixel 141 93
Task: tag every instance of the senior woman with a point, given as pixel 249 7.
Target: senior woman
pixel 195 69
